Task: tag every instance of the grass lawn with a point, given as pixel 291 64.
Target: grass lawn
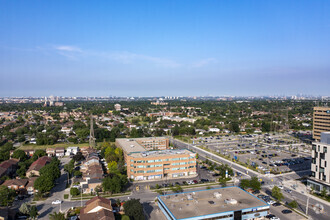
pixel 44 147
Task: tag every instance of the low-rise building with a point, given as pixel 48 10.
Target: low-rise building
pixel 97 208
pixel 30 186
pixel 71 151
pixel 158 163
pixel 320 178
pixel 37 165
pixel 16 184
pixel 8 167
pixel 50 152
pixel 60 152
pixel 219 203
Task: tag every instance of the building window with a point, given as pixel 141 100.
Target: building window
pixel 325 163
pixel 318 148
pixel 313 174
pixel 314 147
pixel 325 149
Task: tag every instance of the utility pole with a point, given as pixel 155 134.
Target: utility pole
pixel 91 134
pixel 81 198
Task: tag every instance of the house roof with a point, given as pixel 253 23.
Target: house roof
pixel 31 181
pixel 38 164
pixel 103 214
pixel 15 182
pixel 8 163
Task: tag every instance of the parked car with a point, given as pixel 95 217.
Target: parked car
pixel 204 180
pixel 276 204
pixel 286 211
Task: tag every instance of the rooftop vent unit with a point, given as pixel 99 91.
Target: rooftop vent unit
pixel 189 197
pixel 231 201
pixel 132 145
pixel 217 195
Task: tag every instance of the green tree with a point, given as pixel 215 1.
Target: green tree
pixel 244 184
pixel 113 167
pixel 74 191
pixel 6 195
pixel 25 208
pixel 56 216
pixel 34 212
pixel 125 217
pixel 255 184
pixel 77 173
pixel 277 194
pixel 293 204
pixel 324 192
pixel 44 184
pixel 19 154
pixel 133 208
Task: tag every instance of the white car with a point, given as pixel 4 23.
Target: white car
pixel 275 218
pixel 281 187
pixel 270 202
pixel 56 202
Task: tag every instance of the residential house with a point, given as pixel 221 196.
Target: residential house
pixel 87 150
pixel 97 208
pixel 30 186
pixel 8 167
pixel 50 152
pixel 37 165
pixel 29 152
pixel 90 185
pixel 71 151
pixel 66 130
pixel 60 152
pixel 16 184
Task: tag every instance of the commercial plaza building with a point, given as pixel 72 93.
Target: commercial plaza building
pixel 222 203
pixel 151 158
pixel 321 121
pixel 320 178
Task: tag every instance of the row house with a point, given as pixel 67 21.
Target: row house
pixel 8 167
pixel 35 167
pixel 97 208
pixel 58 152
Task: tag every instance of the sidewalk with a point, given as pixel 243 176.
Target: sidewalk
pixel 301 188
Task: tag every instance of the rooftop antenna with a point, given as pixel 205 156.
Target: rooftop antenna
pixel 91 134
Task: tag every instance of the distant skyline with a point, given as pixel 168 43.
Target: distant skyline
pixel 164 48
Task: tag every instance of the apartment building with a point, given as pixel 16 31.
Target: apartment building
pixel 321 121
pixel 151 158
pixel 320 177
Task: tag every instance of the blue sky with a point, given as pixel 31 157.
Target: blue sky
pixel 170 48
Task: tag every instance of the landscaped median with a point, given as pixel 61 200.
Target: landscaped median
pixel 88 196
pixel 171 188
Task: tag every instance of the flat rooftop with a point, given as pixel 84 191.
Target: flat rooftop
pixel 212 201
pixel 130 145
pixel 160 153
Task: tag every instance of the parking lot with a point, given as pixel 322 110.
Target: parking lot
pixel 268 154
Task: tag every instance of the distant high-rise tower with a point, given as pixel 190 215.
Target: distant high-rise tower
pixel 321 121
pixel 91 134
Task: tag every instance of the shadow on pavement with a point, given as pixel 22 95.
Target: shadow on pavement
pixel 45 213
